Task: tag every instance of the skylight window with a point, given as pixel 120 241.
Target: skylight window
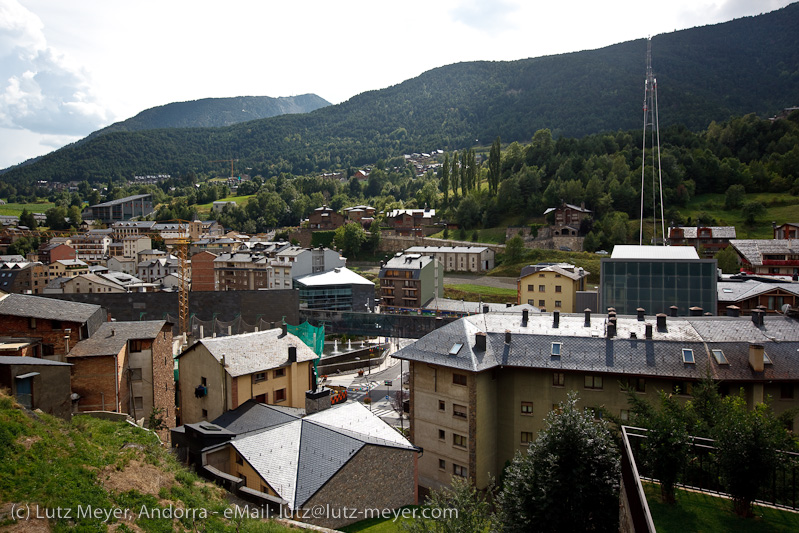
pixel 766 359
pixel 455 348
pixel 688 356
pixel 725 289
pixel 556 348
pixel 720 358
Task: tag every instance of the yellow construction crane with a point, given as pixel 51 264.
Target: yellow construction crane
pixel 231 161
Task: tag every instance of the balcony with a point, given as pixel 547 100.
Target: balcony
pixel 781 262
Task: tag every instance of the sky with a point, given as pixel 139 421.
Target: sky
pixel 70 68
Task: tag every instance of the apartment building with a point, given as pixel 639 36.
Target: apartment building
pixel 294 262
pixel 776 257
pixel 459 258
pixel 410 281
pixel 551 287
pixel 481 387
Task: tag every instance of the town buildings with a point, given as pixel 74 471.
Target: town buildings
pixel 339 289
pixel 410 281
pixel 23 277
pixel 37 384
pixel 566 218
pixel 743 294
pixel 707 239
pixel 551 287
pixel 294 262
pixel 325 219
pixel 219 374
pixel 657 278
pixel 768 257
pixel 122 209
pixel 409 222
pixel 459 258
pixel 481 387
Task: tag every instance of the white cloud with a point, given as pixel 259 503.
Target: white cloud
pixel 40 90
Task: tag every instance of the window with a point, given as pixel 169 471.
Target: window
pixel 55 324
pixel 455 348
pixel 718 355
pixel 593 382
pixel 459 379
pixel 786 391
pixel 138 402
pixel 442 405
pixel 688 356
pixel 766 359
pixel 527 408
pixel 458 440
pixel 203 381
pixel 135 374
pixel 239 459
pixel 542 288
pixel 460 471
pixel 531 288
pixel 279 373
pixel 527 437
pixel 558 303
pixel 280 395
pixel 558 379
pixel 442 464
pixel 542 303
pixel 243 479
pixel 136 346
pixel 260 376
pixel 32 323
pixel 205 414
pixel 636 384
pixel 459 411
pixel 558 288
pixel 555 350
pixel 442 434
pixel 681 387
pixel 624 414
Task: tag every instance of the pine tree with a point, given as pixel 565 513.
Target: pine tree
pixel 494 158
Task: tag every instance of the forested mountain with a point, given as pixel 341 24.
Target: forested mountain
pixel 216 112
pixel 749 65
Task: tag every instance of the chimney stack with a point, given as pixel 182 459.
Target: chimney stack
pixel 648 331
pixel 661 321
pixel 555 319
pixel 696 311
pixel 611 328
pixel 485 309
pixel 525 317
pixel 673 310
pixel 284 329
pixel 587 317
pixel 733 310
pixel 480 341
pixel 507 336
pixel 757 317
pixel 292 354
pixel 756 357
pixel 640 312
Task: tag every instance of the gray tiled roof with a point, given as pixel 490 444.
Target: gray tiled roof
pixel 46 308
pixel 588 348
pixel 253 416
pixel 735 291
pixel 254 352
pixel 716 232
pixel 112 337
pixel 296 458
pixel 752 250
pixel 17 360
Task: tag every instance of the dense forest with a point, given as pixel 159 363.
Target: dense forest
pixel 749 65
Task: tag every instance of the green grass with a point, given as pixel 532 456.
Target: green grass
pixel 585 260
pixel 378 525
pixel 52 464
pixel 16 209
pixel 699 512
pixel 206 208
pixel 780 207
pixel 476 293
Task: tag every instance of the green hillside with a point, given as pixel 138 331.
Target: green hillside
pixel 66 472
pixel 749 65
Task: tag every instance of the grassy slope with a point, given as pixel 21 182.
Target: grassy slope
pixel 780 207
pixel 51 464
pixel 16 209
pixel 703 512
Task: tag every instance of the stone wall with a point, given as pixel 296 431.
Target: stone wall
pixel 164 380
pixel 377 477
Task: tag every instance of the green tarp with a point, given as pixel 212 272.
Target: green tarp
pixel 312 336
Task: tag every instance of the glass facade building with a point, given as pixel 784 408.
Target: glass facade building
pixel 657 284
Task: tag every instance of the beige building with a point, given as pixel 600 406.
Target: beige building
pixel 481 387
pixel 458 258
pixel 91 284
pixel 133 244
pixel 67 268
pixel 551 287
pixel 219 374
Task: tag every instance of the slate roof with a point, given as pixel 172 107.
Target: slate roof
pixel 298 456
pixel 407 261
pixel 587 349
pixel 46 308
pixel 752 250
pixel 446 249
pixel 254 352
pixel 15 360
pixel 564 269
pixel 735 291
pixel 716 232
pixel 462 306
pixel 112 337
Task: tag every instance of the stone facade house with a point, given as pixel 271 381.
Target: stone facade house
pixel 38 384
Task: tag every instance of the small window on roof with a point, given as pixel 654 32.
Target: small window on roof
pixel 688 355
pixel 556 348
pixel 766 359
pixel 725 289
pixel 720 358
pixel 455 348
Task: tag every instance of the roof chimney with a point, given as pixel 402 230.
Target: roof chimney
pixel 525 317
pixel 648 330
pixel 673 310
pixel 485 308
pixel 756 352
pixel 587 317
pixel 284 329
pixel 733 310
pixel 640 312
pixel 611 328
pixel 757 317
pixel 661 321
pixel 507 336
pixel 480 341
pixel 611 314
pixel 696 311
pixel 292 354
pixel 555 319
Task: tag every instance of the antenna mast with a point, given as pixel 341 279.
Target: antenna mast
pixel 651 122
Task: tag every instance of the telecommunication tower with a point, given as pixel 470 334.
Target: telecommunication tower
pixel 652 130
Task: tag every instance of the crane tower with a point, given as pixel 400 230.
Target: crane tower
pixel 652 131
